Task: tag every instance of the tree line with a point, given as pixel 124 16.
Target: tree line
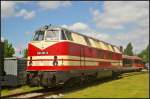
pixel 9 51
pixel 144 54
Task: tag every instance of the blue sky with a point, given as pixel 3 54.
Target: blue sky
pixel 99 18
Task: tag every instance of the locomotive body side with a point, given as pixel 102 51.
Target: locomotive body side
pixel 73 55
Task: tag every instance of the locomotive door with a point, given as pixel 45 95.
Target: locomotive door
pixel 82 56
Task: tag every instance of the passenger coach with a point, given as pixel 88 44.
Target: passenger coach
pixel 132 61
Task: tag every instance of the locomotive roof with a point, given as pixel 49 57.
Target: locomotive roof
pixel 49 27
pixel 131 57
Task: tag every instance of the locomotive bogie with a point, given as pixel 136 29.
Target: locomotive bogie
pixel 104 73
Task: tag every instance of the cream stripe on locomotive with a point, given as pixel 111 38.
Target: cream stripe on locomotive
pixel 71 62
pixel 43 44
pixel 72 57
pixel 99 45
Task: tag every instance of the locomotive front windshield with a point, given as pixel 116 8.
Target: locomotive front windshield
pixel 52 35
pixel 39 35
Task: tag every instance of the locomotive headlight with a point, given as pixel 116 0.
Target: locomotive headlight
pixel 55 61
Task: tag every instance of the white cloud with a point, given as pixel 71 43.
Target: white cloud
pixel 8 9
pixel 85 29
pixel 138 38
pixel 118 13
pixel 26 14
pixel 76 26
pixel 49 5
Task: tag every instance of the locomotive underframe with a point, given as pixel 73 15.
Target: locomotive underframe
pixel 54 78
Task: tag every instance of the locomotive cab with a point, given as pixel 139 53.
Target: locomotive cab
pixel 43 39
pixel 53 34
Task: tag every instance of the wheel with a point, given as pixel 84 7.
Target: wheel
pixel 45 87
pixel 53 80
pixel 68 84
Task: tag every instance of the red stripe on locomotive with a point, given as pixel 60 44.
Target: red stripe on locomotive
pixel 68 48
pixel 65 68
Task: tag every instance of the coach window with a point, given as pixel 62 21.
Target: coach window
pixel 137 61
pixel 130 61
pixel 110 55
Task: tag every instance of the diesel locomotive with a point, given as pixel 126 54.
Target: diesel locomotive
pixel 57 55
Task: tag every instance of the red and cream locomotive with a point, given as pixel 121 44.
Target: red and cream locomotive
pixel 56 55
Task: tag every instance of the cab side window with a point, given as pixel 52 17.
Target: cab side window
pixel 63 36
pixel 69 36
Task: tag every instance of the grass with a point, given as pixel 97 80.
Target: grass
pixel 130 85
pixel 22 89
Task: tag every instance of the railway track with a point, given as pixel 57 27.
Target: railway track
pixel 54 92
pixel 45 93
pixel 42 93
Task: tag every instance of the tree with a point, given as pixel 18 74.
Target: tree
pixel 8 49
pixel 144 54
pixel 128 50
pixel 25 52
